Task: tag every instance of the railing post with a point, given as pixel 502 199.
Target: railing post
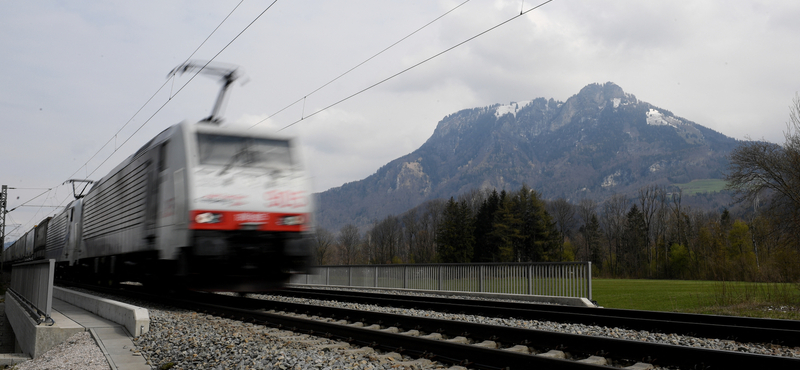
pixel 405 277
pixel 530 281
pixel 440 278
pixel 589 278
pixel 482 277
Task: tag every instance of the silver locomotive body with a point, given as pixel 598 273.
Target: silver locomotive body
pixel 202 206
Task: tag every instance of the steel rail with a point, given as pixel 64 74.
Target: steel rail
pixel 619 350
pixel 661 354
pixel 743 329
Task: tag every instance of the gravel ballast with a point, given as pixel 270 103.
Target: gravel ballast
pixel 80 351
pixel 180 339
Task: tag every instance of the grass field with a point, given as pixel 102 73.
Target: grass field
pixel 702 186
pixel 779 301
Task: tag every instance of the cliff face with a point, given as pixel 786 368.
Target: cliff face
pixel 599 142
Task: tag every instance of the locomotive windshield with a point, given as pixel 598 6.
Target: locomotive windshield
pixel 239 151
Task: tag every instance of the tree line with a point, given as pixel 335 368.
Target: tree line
pixel 478 226
pixel 651 235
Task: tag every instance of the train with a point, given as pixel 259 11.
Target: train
pixel 200 206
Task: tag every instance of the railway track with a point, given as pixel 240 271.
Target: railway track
pixel 476 346
pixel 742 329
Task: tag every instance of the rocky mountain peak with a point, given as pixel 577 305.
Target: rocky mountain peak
pixel 599 142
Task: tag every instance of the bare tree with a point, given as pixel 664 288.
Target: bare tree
pixel 410 237
pixel 586 208
pixel 324 243
pixel 473 198
pixel 349 243
pixel 761 168
pixel 563 213
pixel 659 227
pixel 431 215
pixel 613 223
pixel 587 212
pixel 385 239
pixel 650 207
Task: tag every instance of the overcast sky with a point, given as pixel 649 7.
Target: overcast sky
pixel 74 73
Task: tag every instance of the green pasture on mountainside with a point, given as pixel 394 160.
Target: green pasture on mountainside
pixel 702 186
pixel 769 300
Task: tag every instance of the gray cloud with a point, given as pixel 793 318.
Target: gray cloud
pixel 75 73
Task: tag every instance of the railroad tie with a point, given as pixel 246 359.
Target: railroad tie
pixel 360 351
pixel 434 336
pixel 553 353
pixel 487 344
pixel 520 348
pixel 595 360
pixel 459 339
pixel 640 366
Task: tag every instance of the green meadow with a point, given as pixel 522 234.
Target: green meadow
pixel 702 186
pixel 768 300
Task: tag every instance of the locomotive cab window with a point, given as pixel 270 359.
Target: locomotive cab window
pixel 237 151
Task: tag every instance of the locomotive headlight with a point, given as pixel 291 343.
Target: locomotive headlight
pixel 292 220
pixel 208 218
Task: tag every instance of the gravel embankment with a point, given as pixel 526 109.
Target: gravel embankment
pixel 80 351
pixel 190 340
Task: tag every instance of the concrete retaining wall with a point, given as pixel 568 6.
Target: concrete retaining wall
pixel 135 319
pixel 32 339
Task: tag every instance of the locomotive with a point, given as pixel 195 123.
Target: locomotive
pixel 201 206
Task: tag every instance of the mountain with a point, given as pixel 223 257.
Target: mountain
pixel 599 142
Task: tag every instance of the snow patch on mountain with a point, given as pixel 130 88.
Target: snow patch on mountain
pixel 656 118
pixel 510 108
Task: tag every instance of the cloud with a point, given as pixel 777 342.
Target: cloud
pixel 76 73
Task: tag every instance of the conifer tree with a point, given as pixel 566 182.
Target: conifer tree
pixel 454 238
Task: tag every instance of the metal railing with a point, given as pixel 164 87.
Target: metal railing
pixel 560 279
pixel 32 282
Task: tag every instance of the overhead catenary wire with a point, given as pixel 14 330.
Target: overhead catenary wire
pixel 303 99
pixel 417 65
pixel 184 86
pixel 113 138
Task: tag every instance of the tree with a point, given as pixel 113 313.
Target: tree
pixel 590 231
pixel 411 233
pixel 540 237
pixel 385 238
pixel 763 169
pixel 349 243
pixel 430 219
pixel 486 244
pixel 506 233
pixel 634 242
pixel 454 237
pixel 592 235
pixel 563 213
pixel 323 245
pixel 613 224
